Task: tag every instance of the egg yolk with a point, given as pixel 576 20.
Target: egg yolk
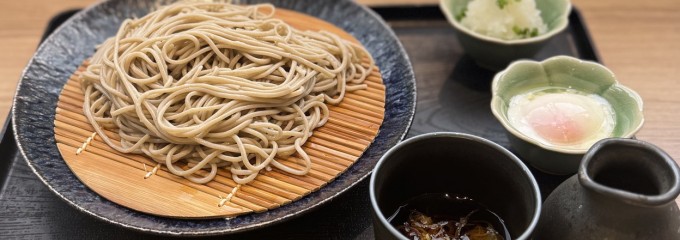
pixel 564 120
pixel 559 122
pixel 562 117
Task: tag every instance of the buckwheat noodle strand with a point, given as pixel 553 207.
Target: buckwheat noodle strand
pixel 202 86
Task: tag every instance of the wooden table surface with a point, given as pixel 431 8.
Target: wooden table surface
pixel 638 40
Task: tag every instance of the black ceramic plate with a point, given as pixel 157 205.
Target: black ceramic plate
pixel 61 53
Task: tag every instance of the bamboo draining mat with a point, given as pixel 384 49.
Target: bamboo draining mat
pixel 352 126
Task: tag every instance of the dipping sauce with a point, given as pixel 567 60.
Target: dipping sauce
pixel 562 117
pixel 447 216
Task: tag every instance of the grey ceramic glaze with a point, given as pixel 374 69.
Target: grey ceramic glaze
pixel 547 161
pixel 59 56
pixel 625 189
pixel 455 163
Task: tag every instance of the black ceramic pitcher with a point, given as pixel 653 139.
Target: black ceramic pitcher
pixel 624 189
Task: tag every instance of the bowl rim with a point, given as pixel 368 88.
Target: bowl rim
pixel 534 184
pixel 173 227
pixel 586 175
pixel 554 31
pixel 495 99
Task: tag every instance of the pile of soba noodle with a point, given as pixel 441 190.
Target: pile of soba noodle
pixel 202 86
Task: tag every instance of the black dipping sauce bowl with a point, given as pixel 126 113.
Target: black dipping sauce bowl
pixel 455 163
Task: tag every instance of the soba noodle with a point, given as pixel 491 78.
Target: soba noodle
pixel 202 86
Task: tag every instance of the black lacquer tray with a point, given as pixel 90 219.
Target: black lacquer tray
pixel 453 95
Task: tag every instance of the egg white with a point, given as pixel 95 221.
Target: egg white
pixel 562 117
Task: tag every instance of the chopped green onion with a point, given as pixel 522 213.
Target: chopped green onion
pixel 525 32
pixel 461 14
pixel 502 3
pixel 534 32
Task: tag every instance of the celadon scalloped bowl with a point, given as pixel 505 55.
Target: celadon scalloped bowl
pixel 562 71
pixel 494 53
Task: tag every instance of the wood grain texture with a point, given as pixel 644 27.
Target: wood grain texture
pixel 28 210
pixel 120 177
pixel 638 40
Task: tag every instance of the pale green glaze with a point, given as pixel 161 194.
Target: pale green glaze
pixel 562 71
pixel 494 53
